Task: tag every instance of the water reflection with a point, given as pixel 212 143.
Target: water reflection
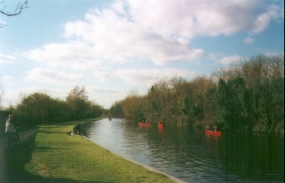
pixel 192 155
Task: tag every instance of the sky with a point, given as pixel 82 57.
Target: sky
pixel 113 48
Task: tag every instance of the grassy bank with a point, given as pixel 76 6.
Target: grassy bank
pixel 72 158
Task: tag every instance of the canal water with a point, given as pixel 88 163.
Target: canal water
pixel 191 155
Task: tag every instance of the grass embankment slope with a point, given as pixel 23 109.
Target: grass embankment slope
pixel 58 156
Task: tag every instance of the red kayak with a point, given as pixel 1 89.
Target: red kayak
pixel 213 132
pixel 144 124
pixel 160 125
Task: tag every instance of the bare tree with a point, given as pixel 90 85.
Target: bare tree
pixel 18 10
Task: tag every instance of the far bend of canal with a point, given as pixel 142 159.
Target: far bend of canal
pixel 191 155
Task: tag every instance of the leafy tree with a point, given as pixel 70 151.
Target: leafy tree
pixel 200 86
pixel 188 110
pixel 95 110
pixel 116 110
pixel 77 102
pixel 248 95
pixel 76 92
pixel 232 101
pixel 157 97
pixel 79 105
pixel 258 85
pixel 35 109
pixel 238 102
pixel 39 108
pixel 133 107
pixel 210 105
pixel 177 107
pixel 221 100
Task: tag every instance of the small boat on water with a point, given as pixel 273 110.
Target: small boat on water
pixel 144 124
pixel 160 125
pixel 210 132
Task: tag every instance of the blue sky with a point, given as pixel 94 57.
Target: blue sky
pixel 115 47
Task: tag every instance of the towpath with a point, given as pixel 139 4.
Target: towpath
pixel 4 170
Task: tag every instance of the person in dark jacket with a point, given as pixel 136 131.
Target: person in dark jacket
pixel 77 129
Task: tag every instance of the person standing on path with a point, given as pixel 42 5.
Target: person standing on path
pixel 11 131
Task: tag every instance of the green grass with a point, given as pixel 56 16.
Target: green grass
pixel 73 158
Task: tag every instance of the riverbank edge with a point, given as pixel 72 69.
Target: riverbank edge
pixel 133 161
pixel 86 121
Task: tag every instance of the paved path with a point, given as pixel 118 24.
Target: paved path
pixel 3 145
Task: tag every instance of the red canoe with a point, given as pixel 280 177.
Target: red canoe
pixel 213 132
pixel 160 125
pixel 144 124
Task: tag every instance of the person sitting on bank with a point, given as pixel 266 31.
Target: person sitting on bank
pixel 77 129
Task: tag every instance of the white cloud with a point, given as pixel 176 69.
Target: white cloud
pixel 77 56
pixel 270 53
pixel 103 74
pixel 119 6
pixel 43 75
pixel 9 59
pixel 275 11
pixel 2 23
pixel 148 77
pixel 104 96
pixel 248 40
pixel 227 61
pixel 116 38
pixel 191 18
pixel 7 77
pixel 7 80
pixel 74 55
pixel 100 90
pixel 14 97
pixel 161 30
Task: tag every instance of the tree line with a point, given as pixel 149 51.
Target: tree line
pixel 247 96
pixel 40 108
